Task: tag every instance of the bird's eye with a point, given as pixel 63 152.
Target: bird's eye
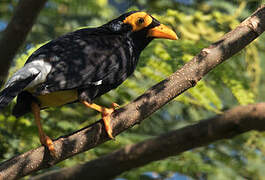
pixel 140 21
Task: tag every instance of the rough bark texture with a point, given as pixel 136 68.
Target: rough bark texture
pixel 16 31
pixel 143 106
pixel 233 122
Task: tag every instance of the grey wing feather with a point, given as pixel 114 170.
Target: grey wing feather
pixel 28 76
pixel 13 89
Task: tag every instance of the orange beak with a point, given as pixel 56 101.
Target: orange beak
pixel 162 31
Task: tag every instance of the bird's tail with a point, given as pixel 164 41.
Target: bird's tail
pixel 13 89
pixel 6 96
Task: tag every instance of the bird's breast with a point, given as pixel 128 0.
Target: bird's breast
pixel 57 98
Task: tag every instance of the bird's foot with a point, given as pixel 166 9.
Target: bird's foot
pixel 106 114
pixel 115 105
pixel 47 141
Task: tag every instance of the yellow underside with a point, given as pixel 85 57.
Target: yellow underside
pixel 58 98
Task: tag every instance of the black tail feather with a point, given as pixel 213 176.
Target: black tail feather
pixel 23 106
pixel 10 92
pixel 6 96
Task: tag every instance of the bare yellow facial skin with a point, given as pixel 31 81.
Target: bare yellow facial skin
pixel 138 20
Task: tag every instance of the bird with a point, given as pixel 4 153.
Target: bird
pixel 80 66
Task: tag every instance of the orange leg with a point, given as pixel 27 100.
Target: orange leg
pixel 44 139
pixel 105 112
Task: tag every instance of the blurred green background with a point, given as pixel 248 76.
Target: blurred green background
pixel 198 23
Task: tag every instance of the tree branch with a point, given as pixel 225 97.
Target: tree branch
pixel 143 106
pixel 15 33
pixel 231 123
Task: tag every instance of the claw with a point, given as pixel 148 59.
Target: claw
pixel 115 105
pixel 47 142
pixel 106 114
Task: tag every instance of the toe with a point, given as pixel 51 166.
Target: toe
pixel 115 105
pixel 47 141
pixel 106 114
pixel 49 144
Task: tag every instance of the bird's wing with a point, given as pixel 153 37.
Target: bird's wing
pixel 14 86
pixel 82 58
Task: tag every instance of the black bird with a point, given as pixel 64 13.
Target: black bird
pixel 81 66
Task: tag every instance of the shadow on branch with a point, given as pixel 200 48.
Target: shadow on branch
pixel 136 111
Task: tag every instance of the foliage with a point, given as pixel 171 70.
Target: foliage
pixel 238 81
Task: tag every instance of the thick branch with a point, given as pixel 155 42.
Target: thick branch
pixel 143 106
pixel 233 122
pixel 15 33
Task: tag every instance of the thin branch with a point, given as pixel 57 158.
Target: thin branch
pixel 16 31
pixel 231 123
pixel 133 113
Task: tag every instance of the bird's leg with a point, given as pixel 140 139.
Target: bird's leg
pixel 105 112
pixel 44 139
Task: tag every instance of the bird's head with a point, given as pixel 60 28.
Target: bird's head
pixel 141 28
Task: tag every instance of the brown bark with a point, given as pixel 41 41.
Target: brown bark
pixel 143 106
pixel 231 123
pixel 16 31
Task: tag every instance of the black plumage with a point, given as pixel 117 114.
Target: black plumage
pixel 82 58
pixel 87 59
pixel 82 65
pixel 11 91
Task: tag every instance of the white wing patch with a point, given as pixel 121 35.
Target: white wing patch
pixel 97 83
pixel 40 67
